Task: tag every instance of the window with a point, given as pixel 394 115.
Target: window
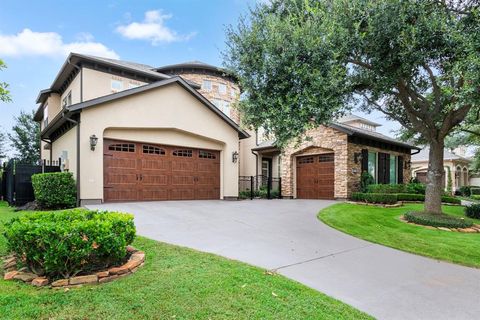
pixel 372 164
pixel 265 168
pixel 393 169
pixel 233 93
pixel 206 155
pixel 45 116
pixel 132 85
pixel 325 158
pixel 207 85
pixel 306 160
pixel 222 105
pixel 67 100
pixel 182 153
pixel 222 89
pixel 153 150
pixel 122 147
pixel 117 85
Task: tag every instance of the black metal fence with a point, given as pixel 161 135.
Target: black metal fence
pixel 251 187
pixel 17 180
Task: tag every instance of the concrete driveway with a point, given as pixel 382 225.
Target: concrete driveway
pixel 285 235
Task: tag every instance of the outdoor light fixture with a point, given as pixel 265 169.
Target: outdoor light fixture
pixel 93 142
pixel 234 157
pixel 357 156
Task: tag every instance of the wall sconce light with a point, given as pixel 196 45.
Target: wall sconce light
pixel 93 142
pixel 357 156
pixel 234 157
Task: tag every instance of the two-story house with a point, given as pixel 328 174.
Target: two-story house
pixel 132 132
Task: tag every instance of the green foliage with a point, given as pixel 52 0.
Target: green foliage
pixel 366 180
pixel 260 193
pixel 449 181
pixel 383 198
pixel 465 191
pixel 25 138
pixel 417 188
pixel 66 243
pixel 475 197
pixel 4 93
pixel 450 199
pixel 436 220
pixel 2 147
pixel 55 190
pixel 386 188
pixel 475 190
pixel 410 197
pixel 473 211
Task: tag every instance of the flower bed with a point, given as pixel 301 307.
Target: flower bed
pixel 135 261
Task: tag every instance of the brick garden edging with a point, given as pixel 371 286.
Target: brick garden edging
pixel 136 260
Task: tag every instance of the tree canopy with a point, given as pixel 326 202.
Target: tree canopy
pixel 4 93
pixel 25 138
pixel 303 62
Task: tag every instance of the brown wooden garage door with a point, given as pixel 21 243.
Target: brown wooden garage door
pixel 141 172
pixel 315 177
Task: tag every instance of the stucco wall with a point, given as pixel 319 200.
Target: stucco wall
pixel 67 143
pixel 98 84
pixel 158 112
pixel 247 159
pixel 74 88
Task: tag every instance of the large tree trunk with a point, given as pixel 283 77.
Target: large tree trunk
pixel 435 188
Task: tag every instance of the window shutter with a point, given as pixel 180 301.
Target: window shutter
pixel 364 160
pixel 387 169
pixel 400 170
pixel 381 168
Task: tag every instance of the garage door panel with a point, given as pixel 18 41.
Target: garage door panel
pixel 150 194
pixel 156 164
pixel 125 194
pixel 160 180
pixel 182 194
pixel 120 179
pixel 316 177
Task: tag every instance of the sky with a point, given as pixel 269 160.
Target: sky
pixel 37 36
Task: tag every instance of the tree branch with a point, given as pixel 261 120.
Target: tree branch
pixel 360 63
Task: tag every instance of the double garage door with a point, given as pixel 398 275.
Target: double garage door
pixel 315 176
pixel 144 172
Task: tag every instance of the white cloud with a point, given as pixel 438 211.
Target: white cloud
pixel 152 29
pixel 31 43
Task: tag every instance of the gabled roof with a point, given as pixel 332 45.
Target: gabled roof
pixel 115 96
pixel 423 155
pixel 190 64
pixel 352 118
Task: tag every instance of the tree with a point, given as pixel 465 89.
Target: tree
pixel 301 62
pixel 3 150
pixel 25 138
pixel 4 93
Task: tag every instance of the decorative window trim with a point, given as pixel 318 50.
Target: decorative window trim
pixel 187 153
pixel 153 150
pixel 122 147
pixel 202 154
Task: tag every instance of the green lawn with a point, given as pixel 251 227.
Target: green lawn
pixel 382 225
pixel 175 283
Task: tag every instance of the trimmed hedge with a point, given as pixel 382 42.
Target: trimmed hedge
pixel 475 197
pixel 55 190
pixel 417 188
pixel 384 198
pixel 67 243
pixel 436 220
pixel 449 199
pixel 473 211
pixel 475 190
pixel 386 188
pixel 410 197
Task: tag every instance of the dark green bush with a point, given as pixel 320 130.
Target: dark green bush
pixel 366 179
pixel 449 199
pixel 55 190
pixel 383 198
pixel 473 211
pixel 410 197
pixel 417 188
pixel 70 242
pixel 436 220
pixel 465 191
pixel 475 190
pixel 386 188
pixel 475 197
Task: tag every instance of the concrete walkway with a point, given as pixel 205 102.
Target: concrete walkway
pixel 286 235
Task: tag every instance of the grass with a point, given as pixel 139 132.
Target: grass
pixel 382 226
pixel 175 283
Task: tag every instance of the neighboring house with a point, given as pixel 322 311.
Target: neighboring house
pixel 328 164
pixel 132 132
pixel 454 164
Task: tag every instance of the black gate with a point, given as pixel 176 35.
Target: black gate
pixel 17 180
pixel 259 187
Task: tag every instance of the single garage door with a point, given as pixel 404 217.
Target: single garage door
pixel 136 171
pixel 315 177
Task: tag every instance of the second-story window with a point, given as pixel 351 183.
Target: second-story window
pixel 67 100
pixel 45 116
pixel 117 85
pixel 207 85
pixel 222 89
pixel 233 93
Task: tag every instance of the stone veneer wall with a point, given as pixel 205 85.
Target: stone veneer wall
pixel 321 140
pixel 214 93
pixel 354 169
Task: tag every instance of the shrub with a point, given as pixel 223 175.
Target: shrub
pixel 464 191
pixel 410 197
pixel 386 188
pixel 55 190
pixel 417 188
pixel 437 220
pixel 449 199
pixel 475 197
pixel 366 179
pixel 473 211
pixel 66 243
pixel 475 190
pixel 384 198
